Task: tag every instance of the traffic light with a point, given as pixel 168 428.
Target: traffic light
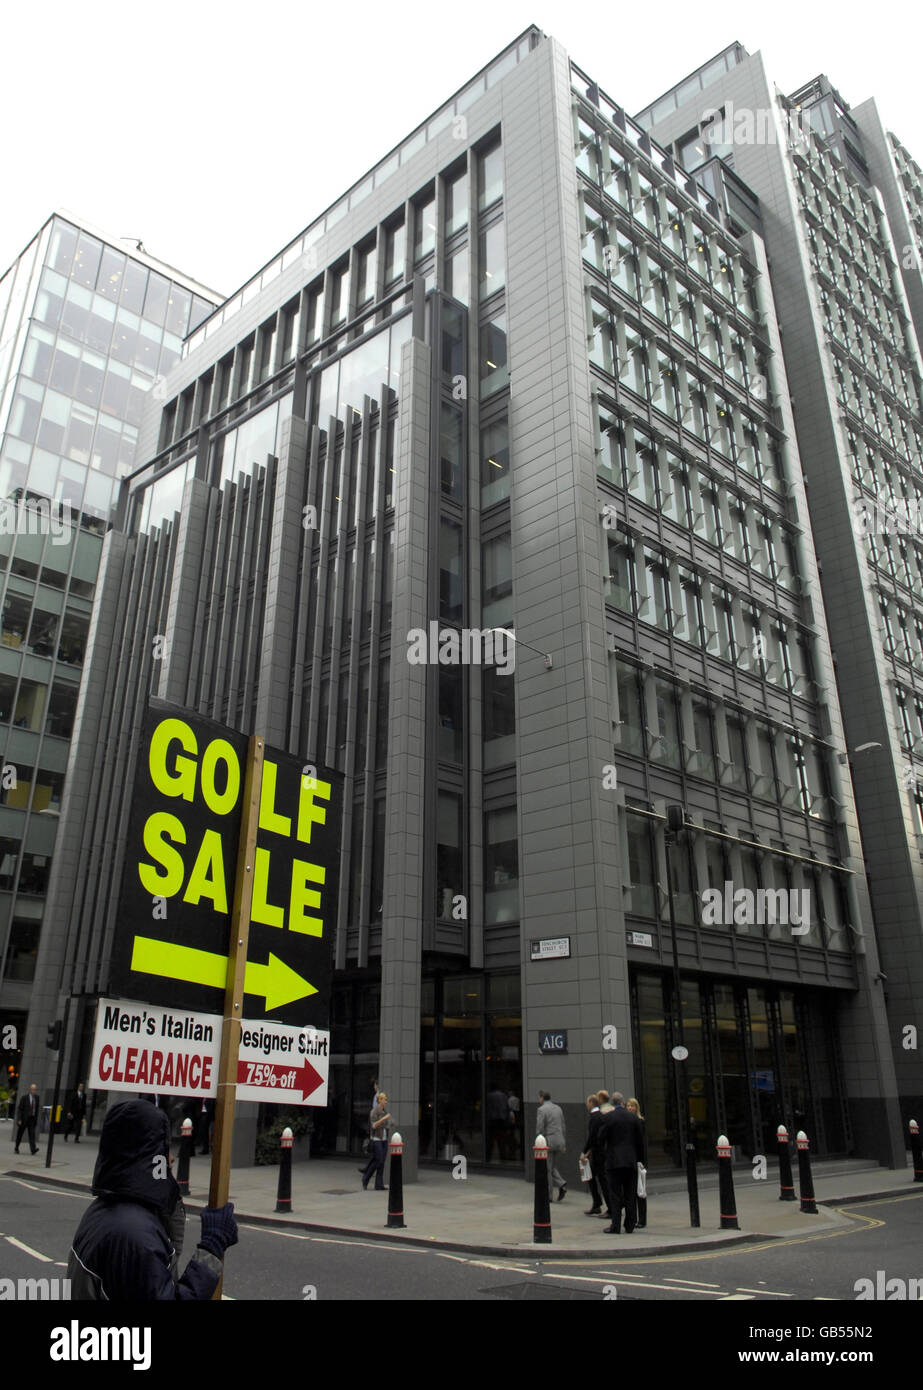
pixel 53 1039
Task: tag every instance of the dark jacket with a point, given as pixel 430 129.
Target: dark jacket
pixel 621 1138
pixel 23 1108
pixel 77 1105
pixel 592 1133
pixel 128 1243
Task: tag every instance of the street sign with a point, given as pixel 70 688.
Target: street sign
pixel 172 932
pixel 550 948
pixel 141 1048
pixel 282 1064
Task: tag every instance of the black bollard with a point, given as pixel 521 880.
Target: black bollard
pixel 786 1181
pixel 284 1193
pixel 396 1183
pixel 185 1154
pixel 726 1201
pixel 805 1181
pixel 917 1151
pixel 692 1186
pixel 541 1220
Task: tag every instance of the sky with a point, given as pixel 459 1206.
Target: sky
pixel 215 132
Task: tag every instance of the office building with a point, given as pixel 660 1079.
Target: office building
pixel 87 327
pixel 841 202
pixel 526 374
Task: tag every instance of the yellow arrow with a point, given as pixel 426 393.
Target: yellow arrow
pixel 275 981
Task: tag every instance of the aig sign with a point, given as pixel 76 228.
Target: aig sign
pixel 552 1040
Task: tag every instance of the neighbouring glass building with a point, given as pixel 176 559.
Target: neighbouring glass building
pixel 86 329
pixel 526 374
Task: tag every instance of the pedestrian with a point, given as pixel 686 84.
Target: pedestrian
pixel 76 1110
pixel 27 1114
pixel 549 1121
pixel 599 1154
pixel 634 1106
pixel 379 1130
pixel 129 1241
pixel 498 1122
pixel 588 1155
pixel 621 1138
pixel 203 1118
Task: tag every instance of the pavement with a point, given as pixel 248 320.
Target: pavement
pixel 491 1213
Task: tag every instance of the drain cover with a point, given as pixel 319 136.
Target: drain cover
pixel 338 1191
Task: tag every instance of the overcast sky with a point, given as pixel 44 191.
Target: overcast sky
pixel 214 132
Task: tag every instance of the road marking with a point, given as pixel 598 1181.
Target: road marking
pixel 701 1282
pixel 774 1292
pixel 37 1254
pixel 728 1297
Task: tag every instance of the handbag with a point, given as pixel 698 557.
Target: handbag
pixel 642 1180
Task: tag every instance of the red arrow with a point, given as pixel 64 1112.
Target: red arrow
pixel 310 1080
pixel 306 1081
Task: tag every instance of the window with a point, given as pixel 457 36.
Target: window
pixel 456 202
pixel 497 583
pixel 490 176
pixel 449 867
pixel 495 461
pixel 501 866
pixel 640 866
pixel 452 450
pixel 492 260
pixel 494 369
pixel 395 252
pixel 424 239
pixel 499 717
pixel 450 571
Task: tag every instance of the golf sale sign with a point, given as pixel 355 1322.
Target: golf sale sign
pixel 172 934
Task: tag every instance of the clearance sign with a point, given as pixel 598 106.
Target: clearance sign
pixel 178 884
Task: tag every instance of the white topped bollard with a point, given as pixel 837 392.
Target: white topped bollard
pixel 185 1156
pixel 916 1150
pixel 805 1181
pixel 541 1219
pixel 284 1193
pixel 726 1199
pixel 786 1181
pixel 396 1182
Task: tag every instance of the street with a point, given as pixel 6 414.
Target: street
pixel 287 1265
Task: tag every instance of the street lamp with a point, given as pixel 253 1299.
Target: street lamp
pixel 675 826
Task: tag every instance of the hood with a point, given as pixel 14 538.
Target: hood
pixel 134 1136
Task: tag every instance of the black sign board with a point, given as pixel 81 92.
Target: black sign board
pixel 171 942
pixel 552 1040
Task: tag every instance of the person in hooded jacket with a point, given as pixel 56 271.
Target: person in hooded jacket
pixel 128 1244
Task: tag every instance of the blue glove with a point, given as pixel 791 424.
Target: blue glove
pixel 219 1229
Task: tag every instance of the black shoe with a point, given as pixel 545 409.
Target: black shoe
pixel 562 1192
pixel 612 1230
pixel 76 1141
pixel 640 1226
pixel 360 1170
pixel 594 1211
pixel 15 1151
pixel 35 1151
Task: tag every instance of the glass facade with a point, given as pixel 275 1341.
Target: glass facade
pixel 86 330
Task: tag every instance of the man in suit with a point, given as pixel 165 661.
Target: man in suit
pixel 622 1140
pixel 549 1121
pixel 27 1114
pixel 76 1112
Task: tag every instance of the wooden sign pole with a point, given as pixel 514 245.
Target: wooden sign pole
pixel 220 1183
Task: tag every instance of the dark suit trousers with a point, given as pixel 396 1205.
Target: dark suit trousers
pixel 27 1124
pixel 623 1186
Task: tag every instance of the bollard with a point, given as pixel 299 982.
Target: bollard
pixel 692 1185
pixel 786 1181
pixel 284 1194
pixel 541 1219
pixel 396 1182
pixel 917 1151
pixel 805 1181
pixel 727 1204
pixel 185 1154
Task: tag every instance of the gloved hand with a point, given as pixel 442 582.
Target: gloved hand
pixel 219 1229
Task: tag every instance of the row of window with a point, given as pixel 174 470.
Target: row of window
pixel 861 393
pixel 655 588
pixel 708 862
pixel 902 633
pixel 373 269
pixel 676 485
pixel 706 324
pixel 688 731
pixel 608 161
pixel 28 704
pixel 621 348
pixel 874 353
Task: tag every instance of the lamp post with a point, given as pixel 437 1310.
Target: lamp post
pixel 676 822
